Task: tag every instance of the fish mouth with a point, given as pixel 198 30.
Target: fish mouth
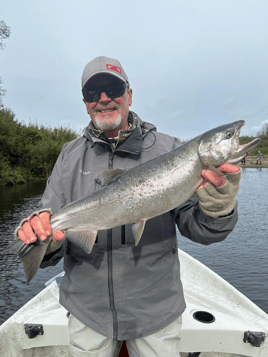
pixel 243 151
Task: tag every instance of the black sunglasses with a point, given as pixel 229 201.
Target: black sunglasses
pixel 112 90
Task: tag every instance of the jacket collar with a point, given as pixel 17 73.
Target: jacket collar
pixel 134 136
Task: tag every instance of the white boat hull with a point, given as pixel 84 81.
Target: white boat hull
pixel 204 290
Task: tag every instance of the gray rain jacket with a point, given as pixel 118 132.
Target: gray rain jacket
pixel 121 290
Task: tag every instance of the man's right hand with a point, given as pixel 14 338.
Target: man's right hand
pixel 37 225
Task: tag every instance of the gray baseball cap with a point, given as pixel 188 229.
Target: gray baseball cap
pixel 103 64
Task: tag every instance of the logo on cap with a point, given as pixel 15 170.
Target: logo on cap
pixel 114 68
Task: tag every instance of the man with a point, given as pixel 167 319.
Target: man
pixel 259 157
pixel 121 291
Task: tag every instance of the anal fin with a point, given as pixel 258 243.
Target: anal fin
pixel 137 230
pixel 84 240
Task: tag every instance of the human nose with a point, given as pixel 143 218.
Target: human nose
pixel 104 98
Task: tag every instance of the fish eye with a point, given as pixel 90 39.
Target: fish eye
pixel 229 135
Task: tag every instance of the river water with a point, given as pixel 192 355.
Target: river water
pixel 241 259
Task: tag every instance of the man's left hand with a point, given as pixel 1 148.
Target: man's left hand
pixel 217 194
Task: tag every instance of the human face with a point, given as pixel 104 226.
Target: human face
pixel 110 115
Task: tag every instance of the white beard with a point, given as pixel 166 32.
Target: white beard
pixel 107 126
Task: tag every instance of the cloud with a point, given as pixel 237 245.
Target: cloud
pixel 258 128
pixel 254 130
pixel 66 123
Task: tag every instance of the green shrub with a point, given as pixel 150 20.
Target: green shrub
pixel 28 151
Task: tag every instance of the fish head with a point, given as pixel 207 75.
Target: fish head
pixel 221 145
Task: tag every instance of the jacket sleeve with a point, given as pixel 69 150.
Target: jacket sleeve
pixel 53 196
pixel 54 199
pixel 195 225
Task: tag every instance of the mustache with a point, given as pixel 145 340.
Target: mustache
pixel 106 107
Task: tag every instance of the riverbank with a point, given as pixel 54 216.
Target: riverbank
pixel 32 180
pixel 251 162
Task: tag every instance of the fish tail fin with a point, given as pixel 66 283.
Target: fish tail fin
pixel 31 256
pixel 32 261
pixel 19 248
pixel 14 247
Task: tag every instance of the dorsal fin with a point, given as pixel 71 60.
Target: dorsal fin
pixel 108 176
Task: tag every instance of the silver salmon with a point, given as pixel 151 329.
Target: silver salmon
pixel 140 193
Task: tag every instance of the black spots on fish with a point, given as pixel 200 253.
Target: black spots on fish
pixel 140 182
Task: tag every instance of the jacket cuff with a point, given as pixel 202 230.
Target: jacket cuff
pixel 197 226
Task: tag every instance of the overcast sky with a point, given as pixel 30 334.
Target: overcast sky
pixel 193 65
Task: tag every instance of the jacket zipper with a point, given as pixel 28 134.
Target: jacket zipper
pixel 110 266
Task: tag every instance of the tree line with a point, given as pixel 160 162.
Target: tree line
pixel 28 152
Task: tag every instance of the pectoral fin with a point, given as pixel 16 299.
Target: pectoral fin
pixel 137 230
pixel 84 240
pixel 108 176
